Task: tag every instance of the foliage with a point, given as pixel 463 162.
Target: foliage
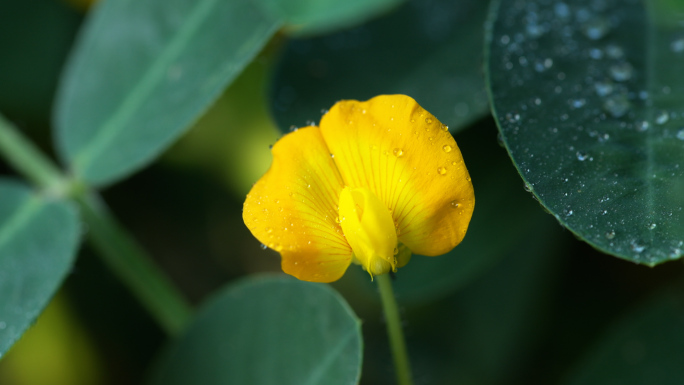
pixel 587 97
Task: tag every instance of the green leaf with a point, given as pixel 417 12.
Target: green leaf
pixel 429 50
pixel 308 17
pixel 268 330
pixel 589 98
pixel 143 71
pixel 646 347
pixel 38 242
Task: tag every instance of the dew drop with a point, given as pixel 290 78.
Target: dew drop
pixel 603 88
pixel 446 148
pixel 616 105
pixel 454 204
pixel 636 247
pixel 610 235
pixel 398 152
pixel 642 126
pixel 582 156
pixel 621 72
pixel 677 45
pixel 445 128
pixel 615 52
pixel 428 120
pixel 396 251
pixel 680 134
pixel 442 171
pixel 662 117
pixel 596 28
pixel 652 226
pixel 263 246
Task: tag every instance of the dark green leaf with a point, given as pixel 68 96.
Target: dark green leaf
pixel 143 71
pixel 273 330
pixel 38 241
pixel 589 97
pixel 647 347
pixel 429 50
pixel 307 17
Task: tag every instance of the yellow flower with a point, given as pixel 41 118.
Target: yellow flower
pixel 376 181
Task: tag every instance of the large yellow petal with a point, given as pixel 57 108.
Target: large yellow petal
pixel 293 208
pixel 402 153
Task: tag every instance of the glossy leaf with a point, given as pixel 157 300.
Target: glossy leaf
pixel 38 242
pixel 268 330
pixel 589 97
pixel 308 17
pixel 646 347
pixel 429 50
pixel 143 71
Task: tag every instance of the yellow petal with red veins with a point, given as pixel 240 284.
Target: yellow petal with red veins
pixel 293 208
pixel 409 160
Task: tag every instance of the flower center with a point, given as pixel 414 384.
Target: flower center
pixel 369 229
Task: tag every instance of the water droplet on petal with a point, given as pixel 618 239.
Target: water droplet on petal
pixel 610 235
pixel 442 170
pixel 446 148
pixel 263 246
pixel 428 120
pixel 398 152
pixel 454 204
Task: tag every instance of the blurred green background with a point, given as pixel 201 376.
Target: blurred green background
pixel 529 312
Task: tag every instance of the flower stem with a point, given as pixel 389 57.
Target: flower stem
pixel 114 245
pixel 27 159
pixel 402 366
pixel 128 261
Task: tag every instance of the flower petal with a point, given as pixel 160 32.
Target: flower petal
pixel 402 153
pixel 293 208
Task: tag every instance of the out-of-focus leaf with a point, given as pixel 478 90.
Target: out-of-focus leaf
pixel 589 97
pixel 317 16
pixel 38 241
pixel 142 72
pixel 273 330
pixel 237 156
pixel 429 50
pixel 646 347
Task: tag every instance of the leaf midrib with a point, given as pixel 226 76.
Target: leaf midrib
pixel 143 89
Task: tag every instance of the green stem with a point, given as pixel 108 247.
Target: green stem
pixel 129 262
pixel 116 248
pixel 402 366
pixel 27 159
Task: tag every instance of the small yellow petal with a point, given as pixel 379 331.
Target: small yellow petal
pixel 293 208
pixel 409 160
pixel 369 229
